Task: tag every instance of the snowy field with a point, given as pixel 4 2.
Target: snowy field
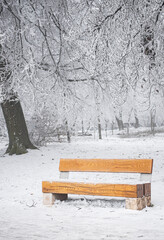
pixel 23 216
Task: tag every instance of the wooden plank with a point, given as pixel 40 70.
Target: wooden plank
pixel 114 190
pixel 107 165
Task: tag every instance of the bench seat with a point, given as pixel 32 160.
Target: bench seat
pixel 99 189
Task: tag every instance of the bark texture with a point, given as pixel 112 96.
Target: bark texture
pixel 19 140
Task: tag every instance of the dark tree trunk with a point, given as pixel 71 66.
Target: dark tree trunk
pixel 68 133
pixel 120 124
pixel 19 140
pixel 99 129
pixel 68 137
pixel 58 135
pixel 136 122
pixel 82 127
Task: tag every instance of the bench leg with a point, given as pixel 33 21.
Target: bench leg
pixel 148 201
pixel 147 193
pixel 49 198
pixel 135 203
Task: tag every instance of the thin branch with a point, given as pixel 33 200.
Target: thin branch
pixel 77 80
pixel 44 33
pixel 10 10
pixel 98 26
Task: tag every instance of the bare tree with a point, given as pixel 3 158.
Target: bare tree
pixel 17 130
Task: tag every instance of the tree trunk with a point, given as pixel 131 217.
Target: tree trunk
pixel 99 129
pixel 68 133
pixel 136 122
pixel 82 127
pixel 152 122
pixel 112 127
pixel 120 124
pixel 58 135
pixel 19 140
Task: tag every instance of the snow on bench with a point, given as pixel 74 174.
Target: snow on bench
pixel 138 196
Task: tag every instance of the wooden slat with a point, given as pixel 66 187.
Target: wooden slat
pixel 107 165
pixel 114 190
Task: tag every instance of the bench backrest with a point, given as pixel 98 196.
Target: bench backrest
pixel 107 165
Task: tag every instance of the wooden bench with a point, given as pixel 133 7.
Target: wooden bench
pixel 137 196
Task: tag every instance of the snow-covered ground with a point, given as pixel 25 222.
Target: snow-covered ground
pixel 23 216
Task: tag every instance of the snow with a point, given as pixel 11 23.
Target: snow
pixel 23 216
